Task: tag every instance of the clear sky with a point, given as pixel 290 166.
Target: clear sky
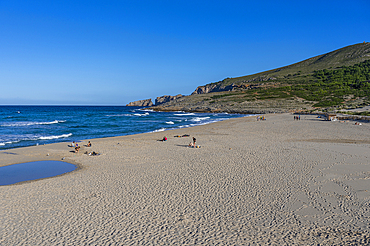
pixel 113 52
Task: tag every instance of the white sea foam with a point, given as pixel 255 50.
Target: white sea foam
pixel 145 114
pixel 159 130
pixel 54 137
pixel 197 119
pixel 30 123
pixel 8 142
pixel 117 115
pixel 170 122
pixel 184 114
pixel 30 137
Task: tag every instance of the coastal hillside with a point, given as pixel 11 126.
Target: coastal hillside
pixel 338 79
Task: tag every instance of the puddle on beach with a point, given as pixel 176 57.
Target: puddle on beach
pixel 33 170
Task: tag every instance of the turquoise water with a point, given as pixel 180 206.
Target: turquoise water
pixel 22 126
pixel 16 173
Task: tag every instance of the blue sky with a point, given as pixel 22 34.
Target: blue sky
pixel 113 52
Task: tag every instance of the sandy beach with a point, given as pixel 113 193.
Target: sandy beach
pixel 277 182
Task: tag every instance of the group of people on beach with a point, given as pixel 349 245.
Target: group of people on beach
pixel 261 118
pixel 191 144
pixel 297 117
pixel 77 147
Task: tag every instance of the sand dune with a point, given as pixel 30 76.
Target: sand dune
pixel 277 181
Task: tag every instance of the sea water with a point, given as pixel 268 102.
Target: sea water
pixel 22 126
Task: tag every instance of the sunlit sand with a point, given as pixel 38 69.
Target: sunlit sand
pixel 277 181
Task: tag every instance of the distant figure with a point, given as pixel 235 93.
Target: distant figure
pixel 77 149
pixel 164 138
pixel 194 141
pixel 73 144
pixel 89 144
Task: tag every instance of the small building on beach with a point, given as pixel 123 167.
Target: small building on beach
pixel 331 117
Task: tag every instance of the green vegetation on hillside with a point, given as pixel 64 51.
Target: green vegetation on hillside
pixel 323 88
pixel 332 87
pixel 346 56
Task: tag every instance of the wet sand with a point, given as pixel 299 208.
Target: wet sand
pixel 274 182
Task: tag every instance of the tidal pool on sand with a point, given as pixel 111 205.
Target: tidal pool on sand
pixel 33 170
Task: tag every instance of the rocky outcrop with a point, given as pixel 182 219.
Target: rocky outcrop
pixel 164 99
pixel 141 103
pixel 217 87
pixel 208 88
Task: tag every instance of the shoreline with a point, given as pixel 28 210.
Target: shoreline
pixel 64 131
pixel 64 146
pixel 277 181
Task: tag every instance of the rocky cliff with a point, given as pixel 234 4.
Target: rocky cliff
pixel 166 98
pixel 141 103
pixel 217 87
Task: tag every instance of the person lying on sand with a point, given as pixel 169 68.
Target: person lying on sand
pixel 163 139
pixel 192 145
pixel 77 149
pixel 92 153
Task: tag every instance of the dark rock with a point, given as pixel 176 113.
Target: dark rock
pixel 141 103
pixel 217 88
pixel 164 99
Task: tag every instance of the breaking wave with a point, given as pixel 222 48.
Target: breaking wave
pixel 27 123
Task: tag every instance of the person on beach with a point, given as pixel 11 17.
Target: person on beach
pixel 89 144
pixel 77 149
pixel 164 138
pixel 73 144
pixel 193 144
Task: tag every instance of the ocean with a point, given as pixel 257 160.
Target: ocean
pixel 22 126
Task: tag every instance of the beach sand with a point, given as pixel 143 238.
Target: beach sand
pixel 278 182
